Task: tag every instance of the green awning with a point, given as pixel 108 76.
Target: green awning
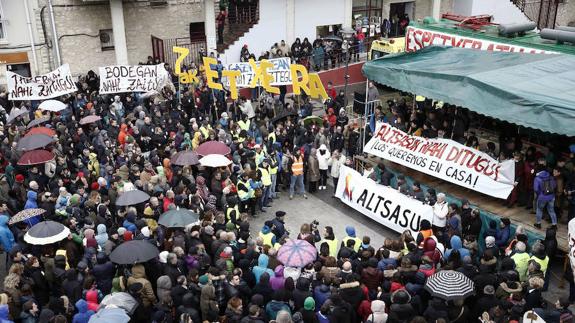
pixel 531 90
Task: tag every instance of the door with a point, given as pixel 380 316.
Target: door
pixel 158 49
pixel 197 32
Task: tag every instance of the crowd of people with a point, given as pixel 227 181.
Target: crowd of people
pixel 222 269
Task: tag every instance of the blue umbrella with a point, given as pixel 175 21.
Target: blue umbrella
pixel 107 315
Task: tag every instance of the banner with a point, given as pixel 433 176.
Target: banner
pixel 138 78
pixel 571 241
pixel 445 159
pixel 418 38
pixel 280 72
pixel 41 87
pixel 381 203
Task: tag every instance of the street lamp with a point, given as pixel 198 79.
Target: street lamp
pixel 347 34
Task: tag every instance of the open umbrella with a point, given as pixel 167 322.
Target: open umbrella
pixel 89 119
pixel 178 218
pixel 213 148
pixel 312 119
pixel 185 158
pixel 35 157
pixel 41 131
pixel 32 142
pixel 121 300
pixel 449 285
pixel 25 215
pixel 15 113
pixel 46 232
pixel 37 122
pixel 132 197
pixel 52 105
pixel 215 161
pixel 283 116
pixel 296 253
pixel 107 315
pixel 133 252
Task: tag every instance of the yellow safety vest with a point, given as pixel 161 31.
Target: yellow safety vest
pixel 260 157
pixel 244 125
pixel 333 244
pixel 297 167
pixel 205 132
pixel 267 238
pixel 542 262
pixel 274 169
pixel 356 245
pixel 229 211
pixel 243 195
pixel 266 178
pixel 272 137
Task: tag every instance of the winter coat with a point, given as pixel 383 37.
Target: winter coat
pixel 313 169
pixel 502 236
pixel 31 202
pixel 539 185
pixel 378 312
pixel 456 244
pixel 351 293
pixel 273 307
pixel 102 235
pixel 147 292
pixel 323 159
pixel 103 271
pixel 83 315
pixel 262 267
pixel 277 281
pixel 4 314
pixel 6 236
pixel 372 278
pixel 163 291
pixel 208 303
pixel 301 292
pixel 321 294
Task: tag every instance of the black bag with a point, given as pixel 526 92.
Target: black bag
pixel 548 188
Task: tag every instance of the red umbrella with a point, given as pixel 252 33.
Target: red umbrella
pixel 41 131
pixel 89 119
pixel 34 157
pixel 213 148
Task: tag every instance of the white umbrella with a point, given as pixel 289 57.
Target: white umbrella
pixel 46 232
pixel 15 113
pixel 52 105
pixel 215 161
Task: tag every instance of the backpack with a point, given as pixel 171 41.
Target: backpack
pixel 548 188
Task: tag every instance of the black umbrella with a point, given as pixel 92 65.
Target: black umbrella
pixel 284 115
pixel 46 232
pixel 132 197
pixel 34 142
pixel 178 218
pixel 449 285
pixel 15 113
pixel 37 122
pixel 185 158
pixel 133 252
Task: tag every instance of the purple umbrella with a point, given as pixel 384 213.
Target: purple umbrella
pixel 296 253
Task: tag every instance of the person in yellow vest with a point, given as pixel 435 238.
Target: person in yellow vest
pixel 205 129
pixel 295 167
pixel 244 123
pixel 268 237
pixel 351 236
pixel 263 173
pixel 330 240
pixel 260 154
pixel 274 166
pixel 233 210
pixel 539 256
pixel 246 194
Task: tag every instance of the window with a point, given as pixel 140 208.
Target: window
pixel 2 24
pixel 107 39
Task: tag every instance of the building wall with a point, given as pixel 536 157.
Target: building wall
pixel 503 12
pixel 310 14
pixel 423 8
pixel 78 24
pixel 566 14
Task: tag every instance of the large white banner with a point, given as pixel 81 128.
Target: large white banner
pixel 138 78
pixel 280 72
pixel 418 38
pixel 445 159
pixel 381 203
pixel 41 87
pixel 571 241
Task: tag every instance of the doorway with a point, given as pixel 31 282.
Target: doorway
pixel 197 32
pixel 399 15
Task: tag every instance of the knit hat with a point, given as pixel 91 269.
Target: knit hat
pixel 309 303
pixel 91 242
pixel 145 232
pixel 203 280
pixel 164 256
pixel 94 186
pixel 128 235
pixel 230 226
pixel 350 231
pixel 121 231
pixel 33 185
pixel 75 200
pixel 148 211
pixel 19 178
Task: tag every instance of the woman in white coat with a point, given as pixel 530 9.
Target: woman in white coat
pixel 335 162
pixel 323 157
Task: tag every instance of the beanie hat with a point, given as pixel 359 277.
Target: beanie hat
pixel 19 178
pixel 350 231
pixel 128 235
pixel 230 226
pixel 309 303
pixel 148 211
pixel 75 200
pixel 94 186
pixel 33 185
pixel 203 280
pixel 91 242
pixel 146 232
pixel 164 257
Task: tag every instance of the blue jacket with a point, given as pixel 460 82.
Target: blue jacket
pixel 273 307
pixel 4 314
pixel 262 267
pixel 6 236
pixel 130 226
pixel 502 237
pixel 83 315
pixel 321 294
pixel 457 245
pixel 538 186
pixel 31 201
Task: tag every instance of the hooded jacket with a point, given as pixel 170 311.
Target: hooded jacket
pixel 323 158
pixel 103 271
pixel 4 314
pixel 262 267
pixel 378 312
pixel 6 236
pixel 164 290
pixel 456 245
pixel 31 202
pixel 539 186
pixel 147 292
pixel 83 315
pixel 277 281
pixel 208 303
pixel 102 235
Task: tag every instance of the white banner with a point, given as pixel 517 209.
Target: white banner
pixel 280 72
pixel 138 78
pixel 41 87
pixel 571 241
pixel 418 38
pixel 445 159
pixel 381 203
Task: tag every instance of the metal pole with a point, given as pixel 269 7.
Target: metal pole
pixel 365 116
pixel 54 34
pixel 346 76
pixel 29 23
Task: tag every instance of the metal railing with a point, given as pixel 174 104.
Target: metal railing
pixel 195 48
pixel 542 12
pixel 246 14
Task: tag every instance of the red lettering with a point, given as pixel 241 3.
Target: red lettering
pixel 453 154
pixel 476 44
pixel 502 48
pixel 418 39
pixel 426 38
